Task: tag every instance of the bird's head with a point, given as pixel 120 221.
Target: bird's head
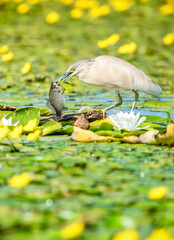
pixel 75 68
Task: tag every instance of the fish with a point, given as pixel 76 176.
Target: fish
pixel 55 102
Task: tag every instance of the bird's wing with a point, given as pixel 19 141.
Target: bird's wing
pixel 120 74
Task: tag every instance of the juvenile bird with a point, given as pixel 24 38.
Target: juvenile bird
pixel 115 73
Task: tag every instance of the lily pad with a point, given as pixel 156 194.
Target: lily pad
pixel 156 119
pixel 22 116
pixel 162 105
pixel 51 129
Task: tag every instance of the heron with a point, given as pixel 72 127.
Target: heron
pixel 114 73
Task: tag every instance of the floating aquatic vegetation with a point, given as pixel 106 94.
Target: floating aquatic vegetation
pixel 127 48
pixel 104 185
pixel 157 193
pixel 52 17
pixel 20 180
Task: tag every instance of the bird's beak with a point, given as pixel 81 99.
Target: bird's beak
pixel 65 76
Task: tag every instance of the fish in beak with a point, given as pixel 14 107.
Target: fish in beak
pixel 55 102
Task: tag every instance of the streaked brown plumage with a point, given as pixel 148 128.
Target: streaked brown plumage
pixel 115 73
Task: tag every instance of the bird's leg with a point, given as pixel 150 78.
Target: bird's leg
pixel 136 99
pixel 115 105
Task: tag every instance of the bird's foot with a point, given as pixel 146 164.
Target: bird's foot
pixel 104 112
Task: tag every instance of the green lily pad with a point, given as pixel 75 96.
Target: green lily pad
pixel 156 119
pixel 51 129
pixel 106 126
pixel 102 126
pixel 105 133
pixel 162 105
pixel 67 130
pixel 22 116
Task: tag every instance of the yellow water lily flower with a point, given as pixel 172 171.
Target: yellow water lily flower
pixel 93 3
pixel 16 133
pixel 26 68
pixel 160 234
pixel 144 1
pixel 122 5
pixel 114 38
pixel 76 13
pixel 20 180
pixel 52 17
pixel 33 136
pixel 157 193
pixel 99 11
pixel 17 1
pixel 126 235
pixel 168 39
pixel 127 48
pixel 4 132
pixel 33 1
pixel 18 130
pixel 4 48
pixel 7 57
pixel 73 230
pixel 67 2
pixel 31 125
pixel 23 8
pixel 102 44
pixel 82 4
pixel 13 135
pixel 170 1
pixel 167 9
